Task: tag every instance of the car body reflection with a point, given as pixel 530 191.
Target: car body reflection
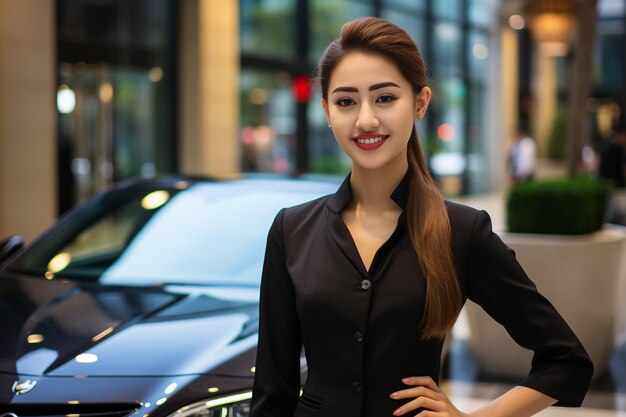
pixel 143 300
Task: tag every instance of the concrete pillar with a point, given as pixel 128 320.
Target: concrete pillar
pixel 27 117
pixel 509 93
pixel 209 88
pixel 544 91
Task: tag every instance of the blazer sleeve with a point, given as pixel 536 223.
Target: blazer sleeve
pixel 560 367
pixel 276 385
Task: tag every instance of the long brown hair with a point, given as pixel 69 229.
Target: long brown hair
pixel 427 216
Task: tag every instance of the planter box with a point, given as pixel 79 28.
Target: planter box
pixel 584 278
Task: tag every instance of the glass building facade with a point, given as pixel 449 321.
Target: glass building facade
pixel 282 130
pixel 116 93
pixel 118 97
pixel 117 90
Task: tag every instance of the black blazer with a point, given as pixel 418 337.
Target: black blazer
pixel 360 329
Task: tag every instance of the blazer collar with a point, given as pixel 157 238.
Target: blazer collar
pixel 342 197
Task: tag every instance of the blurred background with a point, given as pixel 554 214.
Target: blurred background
pixel 94 91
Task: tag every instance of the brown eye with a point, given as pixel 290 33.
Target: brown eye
pixel 343 102
pixel 387 98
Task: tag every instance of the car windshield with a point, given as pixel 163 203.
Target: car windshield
pixel 210 233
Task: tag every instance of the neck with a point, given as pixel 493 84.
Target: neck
pixel 372 188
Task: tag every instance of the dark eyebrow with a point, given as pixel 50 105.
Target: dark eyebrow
pixel 346 89
pixel 383 85
pixel 371 88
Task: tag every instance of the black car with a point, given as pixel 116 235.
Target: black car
pixel 142 301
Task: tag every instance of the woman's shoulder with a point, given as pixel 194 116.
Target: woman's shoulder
pixel 308 207
pixel 464 222
pixel 462 218
pixel 461 212
pixel 305 214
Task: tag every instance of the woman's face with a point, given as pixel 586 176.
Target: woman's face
pixel 372 108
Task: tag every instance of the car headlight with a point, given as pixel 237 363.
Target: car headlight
pixel 234 405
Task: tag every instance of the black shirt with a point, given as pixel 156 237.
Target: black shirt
pixel 360 329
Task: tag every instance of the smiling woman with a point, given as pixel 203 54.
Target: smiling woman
pixel 371 279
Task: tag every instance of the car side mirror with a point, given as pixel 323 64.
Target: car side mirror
pixel 9 246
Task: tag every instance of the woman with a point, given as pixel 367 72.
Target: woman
pixel 370 279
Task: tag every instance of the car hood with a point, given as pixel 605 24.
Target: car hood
pixel 69 328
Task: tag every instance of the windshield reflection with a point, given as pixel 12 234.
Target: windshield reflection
pixel 212 233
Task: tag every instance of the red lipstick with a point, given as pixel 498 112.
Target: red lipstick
pixel 374 141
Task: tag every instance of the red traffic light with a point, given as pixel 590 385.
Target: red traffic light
pixel 301 87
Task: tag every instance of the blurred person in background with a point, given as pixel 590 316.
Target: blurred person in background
pixel 371 279
pixel 613 167
pixel 522 161
pixel 613 155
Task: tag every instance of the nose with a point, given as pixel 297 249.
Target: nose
pixel 367 120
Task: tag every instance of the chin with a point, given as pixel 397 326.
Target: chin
pixel 376 162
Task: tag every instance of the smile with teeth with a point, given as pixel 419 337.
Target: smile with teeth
pixel 369 141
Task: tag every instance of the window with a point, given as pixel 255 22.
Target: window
pixel 477 55
pixel 413 24
pixel 447 49
pixel 448 9
pixel 479 12
pixel 116 93
pixel 268 124
pixel 454 41
pixel 327 17
pixel 412 5
pixel 267 27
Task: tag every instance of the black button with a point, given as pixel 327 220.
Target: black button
pixel 366 284
pixel 356 385
pixel 358 336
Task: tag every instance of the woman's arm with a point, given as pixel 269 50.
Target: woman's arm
pixel 520 401
pixel 560 371
pixel 276 386
pixel 560 367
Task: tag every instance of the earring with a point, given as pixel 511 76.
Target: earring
pixel 330 127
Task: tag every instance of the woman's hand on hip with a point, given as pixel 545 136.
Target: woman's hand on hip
pixel 428 396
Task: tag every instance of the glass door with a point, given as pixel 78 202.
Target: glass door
pixel 115 94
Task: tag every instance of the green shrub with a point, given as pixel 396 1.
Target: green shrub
pixel 567 206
